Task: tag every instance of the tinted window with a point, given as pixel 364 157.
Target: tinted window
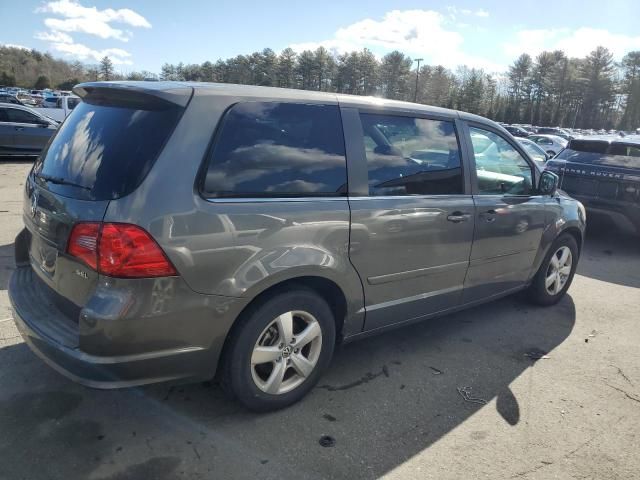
pixel 270 149
pixel 20 116
pixel 411 156
pixel 3 115
pixel 602 153
pixel 500 168
pixel 105 149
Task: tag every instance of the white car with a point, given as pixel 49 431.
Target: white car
pixel 552 144
pixel 534 150
pixel 60 108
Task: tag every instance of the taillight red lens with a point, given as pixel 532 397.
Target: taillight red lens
pixel 119 250
pixel 128 251
pixel 83 243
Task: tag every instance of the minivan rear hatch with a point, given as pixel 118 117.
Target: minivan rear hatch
pixel 102 151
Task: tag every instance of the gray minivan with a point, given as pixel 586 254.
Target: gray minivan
pixel 177 231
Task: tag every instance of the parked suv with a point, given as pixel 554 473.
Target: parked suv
pixel 604 173
pixel 174 231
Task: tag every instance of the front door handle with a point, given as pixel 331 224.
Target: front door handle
pixel 19 129
pixel 457 217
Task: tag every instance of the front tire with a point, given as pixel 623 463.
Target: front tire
pixel 555 275
pixel 279 350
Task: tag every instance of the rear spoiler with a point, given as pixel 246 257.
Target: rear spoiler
pixel 136 92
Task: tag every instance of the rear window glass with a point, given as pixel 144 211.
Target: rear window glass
pixel 103 152
pixel 602 153
pixel 270 149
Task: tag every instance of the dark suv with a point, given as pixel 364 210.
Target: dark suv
pixel 175 231
pixel 605 175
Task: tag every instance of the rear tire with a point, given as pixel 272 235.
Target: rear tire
pixel 279 349
pixel 556 272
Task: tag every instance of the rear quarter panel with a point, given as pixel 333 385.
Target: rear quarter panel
pixel 236 248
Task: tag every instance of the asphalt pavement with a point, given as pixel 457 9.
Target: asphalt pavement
pixel 505 390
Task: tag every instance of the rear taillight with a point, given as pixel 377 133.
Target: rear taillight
pixel 83 243
pixel 119 250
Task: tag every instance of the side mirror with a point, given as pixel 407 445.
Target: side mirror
pixel 548 184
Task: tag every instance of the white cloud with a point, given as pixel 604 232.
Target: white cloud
pixel 58 37
pixel 99 29
pixel 70 16
pixel 82 52
pixel 418 33
pixel 575 43
pixel 14 45
pixel 453 12
pixel 90 20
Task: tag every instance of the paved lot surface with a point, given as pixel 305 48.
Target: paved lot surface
pixel 394 404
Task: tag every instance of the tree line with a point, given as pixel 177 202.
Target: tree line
pixel 551 89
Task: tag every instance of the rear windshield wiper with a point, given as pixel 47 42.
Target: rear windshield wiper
pixel 60 181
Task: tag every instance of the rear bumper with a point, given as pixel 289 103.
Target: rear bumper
pixel 625 215
pixel 148 357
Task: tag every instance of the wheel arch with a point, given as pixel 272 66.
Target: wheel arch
pixel 576 233
pixel 326 288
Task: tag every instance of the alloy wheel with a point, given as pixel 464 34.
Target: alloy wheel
pixel 286 353
pixel 558 271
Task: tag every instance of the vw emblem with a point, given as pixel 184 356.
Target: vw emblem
pixel 34 202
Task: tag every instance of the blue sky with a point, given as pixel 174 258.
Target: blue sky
pixel 144 34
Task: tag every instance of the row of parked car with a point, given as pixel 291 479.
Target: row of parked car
pixel 54 104
pixel 32 98
pixel 525 130
pixel 180 232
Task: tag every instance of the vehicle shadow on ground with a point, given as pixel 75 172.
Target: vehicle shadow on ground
pixel 25 158
pixel 382 401
pixel 611 255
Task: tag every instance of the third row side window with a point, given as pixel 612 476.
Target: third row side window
pixel 411 156
pixel 272 149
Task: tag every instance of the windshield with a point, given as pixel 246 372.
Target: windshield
pixel 102 152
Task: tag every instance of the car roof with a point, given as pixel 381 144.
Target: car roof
pixel 548 135
pixel 20 107
pixel 172 91
pixel 14 105
pixel 632 140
